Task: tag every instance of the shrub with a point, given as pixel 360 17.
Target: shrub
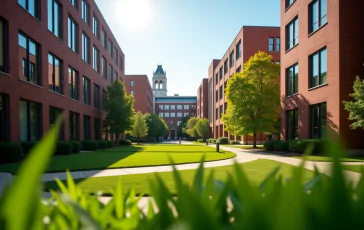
pixel 214 141
pixel 281 146
pixel 10 152
pixel 110 144
pixel 299 146
pixel 102 144
pixel 64 148
pixel 224 140
pixel 269 145
pixel 200 141
pixel 90 145
pixel 27 146
pixel 234 142
pixel 76 146
pixel 124 142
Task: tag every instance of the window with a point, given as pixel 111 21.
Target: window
pixel 221 92
pixel 160 107
pixel 131 83
pixel 179 107
pixel 97 129
pixel 289 3
pixel 318 120
pixel 221 111
pixel 278 44
pixel 186 114
pixel 85 48
pixel 271 44
pixel 3 46
pixel 86 91
pixel 238 70
pixel 74 121
pixel 96 59
pixel 217 113
pixel 278 62
pixel 216 78
pixel 85 11
pixel 161 114
pixel 86 127
pixel 179 114
pixel 55 74
pixel 55 17
pixel 116 55
pixel 166 107
pixel 292 124
pixel 115 75
pixel 179 122
pixel 74 3
pixel 30 121
pixel 186 107
pixel 220 72
pixel 121 63
pixel 72 34
pixel 103 67
pixel 238 50
pixel 173 114
pixel 96 96
pixel 32 6
pixel 73 83
pixel 132 92
pixel 54 113
pixel 104 97
pixel 292 80
pixel 29 59
pixel 292 34
pixel 103 38
pixel 109 74
pixel 226 66
pixel 317 14
pixel 96 27
pixel 231 59
pixel 217 95
pixel 110 48
pixel 318 68
pixel 173 107
pixel 166 114
pixel 4 117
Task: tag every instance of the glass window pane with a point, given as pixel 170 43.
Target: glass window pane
pixel 56 20
pixel 295 79
pixel 295 32
pixel 323 120
pixel 323 12
pixel 50 15
pixel 50 71
pixel 23 121
pixel 323 70
pixel 314 16
pixel 31 7
pixel 57 76
pixel 315 70
pixel 22 3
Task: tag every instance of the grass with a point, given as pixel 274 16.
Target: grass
pixel 244 146
pixel 255 170
pixel 354 168
pixel 329 159
pixel 129 156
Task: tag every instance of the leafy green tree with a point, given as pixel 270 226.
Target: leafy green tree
pixel 231 121
pixel 157 127
pixel 139 128
pixel 119 109
pixel 254 95
pixel 190 127
pixel 202 128
pixel 182 127
pixel 356 107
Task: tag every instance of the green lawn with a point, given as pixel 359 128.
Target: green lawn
pixel 255 170
pixel 130 156
pixel 328 159
pixel 353 168
pixel 244 146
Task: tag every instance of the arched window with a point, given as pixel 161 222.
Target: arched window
pixel 160 84
pixel 156 84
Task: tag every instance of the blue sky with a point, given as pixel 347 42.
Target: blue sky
pixel 183 35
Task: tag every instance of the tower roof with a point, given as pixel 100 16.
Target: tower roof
pixel 159 70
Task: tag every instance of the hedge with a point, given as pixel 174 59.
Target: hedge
pixel 90 145
pixel 110 144
pixel 300 146
pixel 200 141
pixel 234 142
pixel 10 152
pixel 27 146
pixel 76 146
pixel 224 140
pixel 102 144
pixel 269 145
pixel 281 146
pixel 125 142
pixel 64 148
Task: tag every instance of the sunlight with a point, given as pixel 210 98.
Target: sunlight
pixel 134 14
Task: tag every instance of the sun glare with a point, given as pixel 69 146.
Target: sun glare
pixel 134 14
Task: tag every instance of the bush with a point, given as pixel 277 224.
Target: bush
pixel 300 146
pixel 234 142
pixel 214 141
pixel 224 140
pixel 281 146
pixel 102 144
pixel 76 146
pixel 200 141
pixel 110 144
pixel 124 142
pixel 90 145
pixel 10 152
pixel 27 146
pixel 64 148
pixel 269 145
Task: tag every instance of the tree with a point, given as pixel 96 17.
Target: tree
pixel 254 95
pixel 190 127
pixel 182 127
pixel 119 109
pixel 356 107
pixel 157 127
pixel 202 128
pixel 231 121
pixel 139 128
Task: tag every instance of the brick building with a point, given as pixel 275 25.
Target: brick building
pixel 202 99
pixel 55 56
pixel 322 53
pixel 249 41
pixel 139 86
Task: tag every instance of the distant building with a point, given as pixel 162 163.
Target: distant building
pixel 159 82
pixel 202 99
pixel 139 86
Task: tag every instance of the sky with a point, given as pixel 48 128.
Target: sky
pixel 182 35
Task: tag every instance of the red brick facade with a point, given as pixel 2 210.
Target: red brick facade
pixel 340 33
pixel 14 87
pixel 140 87
pixel 202 99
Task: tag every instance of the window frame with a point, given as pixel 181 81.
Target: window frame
pixel 54 58
pixel 5 46
pixel 28 119
pixel 5 115
pixel 271 45
pixel 103 38
pixel 131 83
pixel 292 125
pixel 74 79
pixel 238 50
pixel 74 121
pixel 294 83
pixel 288 4
pixel 86 100
pixel 103 67
pixel 86 127
pixel 287 29
pixel 321 133
pixel 310 64
pixel 319 16
pixel 38 60
pixel 85 12
pixel 226 65
pixel 96 28
pixel 37 9
pixel 96 57
pixel 85 48
pixel 231 60
pixel 74 3
pixel 278 44
pixel 96 96
pixel 74 28
pixel 60 18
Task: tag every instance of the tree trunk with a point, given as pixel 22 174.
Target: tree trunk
pixel 254 140
pixel 117 138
